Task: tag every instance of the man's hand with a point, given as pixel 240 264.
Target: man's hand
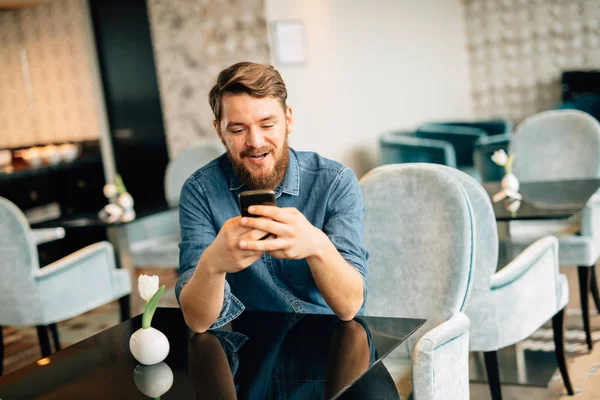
pixel 225 253
pixel 294 236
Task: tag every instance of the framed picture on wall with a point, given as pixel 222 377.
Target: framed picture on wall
pixel 289 42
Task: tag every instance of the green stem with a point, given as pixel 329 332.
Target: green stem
pixel 151 308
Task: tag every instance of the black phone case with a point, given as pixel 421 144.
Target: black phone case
pixel 267 199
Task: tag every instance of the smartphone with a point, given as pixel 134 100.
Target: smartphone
pixel 256 198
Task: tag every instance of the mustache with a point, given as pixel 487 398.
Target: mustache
pixel 254 152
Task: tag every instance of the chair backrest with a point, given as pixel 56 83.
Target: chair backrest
pixel 486 231
pixel 555 145
pixel 185 164
pixel 18 260
pixel 420 232
pixel 461 137
pixel 491 127
pixel 404 147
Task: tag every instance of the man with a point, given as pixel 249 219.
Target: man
pixel 312 261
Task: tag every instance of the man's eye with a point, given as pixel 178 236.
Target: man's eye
pixel 267 126
pixel 237 130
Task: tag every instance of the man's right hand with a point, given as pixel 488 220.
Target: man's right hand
pixel 225 254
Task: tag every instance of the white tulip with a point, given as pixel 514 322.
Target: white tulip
pixel 514 206
pixel 126 201
pixel 500 157
pixel 109 190
pixel 147 285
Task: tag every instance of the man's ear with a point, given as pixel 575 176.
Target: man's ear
pixel 218 129
pixel 289 119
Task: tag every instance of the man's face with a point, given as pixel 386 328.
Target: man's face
pixel 254 131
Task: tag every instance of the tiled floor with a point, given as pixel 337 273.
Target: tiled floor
pixel 528 371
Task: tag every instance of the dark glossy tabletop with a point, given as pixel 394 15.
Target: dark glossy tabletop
pixel 259 356
pixel 87 220
pixel 545 200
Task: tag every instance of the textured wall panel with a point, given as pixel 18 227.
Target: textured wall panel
pixel 193 41
pixel 518 49
pixel 46 88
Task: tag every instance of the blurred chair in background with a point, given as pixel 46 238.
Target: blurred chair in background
pixel 561 145
pixel 419 230
pixel 155 239
pixel 64 289
pixel 446 143
pixel 485 147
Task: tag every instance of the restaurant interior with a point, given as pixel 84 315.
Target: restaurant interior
pixel 478 119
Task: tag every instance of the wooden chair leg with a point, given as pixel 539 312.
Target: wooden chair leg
pixel 55 338
pixel 1 351
pixel 558 326
pixel 493 374
pixel 42 332
pixel 594 287
pixel 584 294
pixel 125 306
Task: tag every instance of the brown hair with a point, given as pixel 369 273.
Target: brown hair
pixel 257 80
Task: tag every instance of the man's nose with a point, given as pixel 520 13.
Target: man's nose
pixel 254 138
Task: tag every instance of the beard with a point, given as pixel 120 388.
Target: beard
pixel 262 182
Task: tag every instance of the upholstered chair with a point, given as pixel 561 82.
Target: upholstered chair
pixel 419 231
pixel 508 306
pixel 73 285
pixel 406 147
pixel 155 239
pixel 562 145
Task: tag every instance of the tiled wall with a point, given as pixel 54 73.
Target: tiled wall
pixel 193 40
pixel 518 49
pixel 46 87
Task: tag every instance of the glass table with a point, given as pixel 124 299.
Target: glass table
pixel 548 200
pixel 258 356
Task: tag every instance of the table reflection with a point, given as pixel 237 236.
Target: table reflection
pixel 299 357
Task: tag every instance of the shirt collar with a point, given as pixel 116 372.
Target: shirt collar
pixel 289 185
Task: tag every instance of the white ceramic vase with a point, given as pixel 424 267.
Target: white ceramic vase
pixel 510 183
pixel 149 346
pixel 153 380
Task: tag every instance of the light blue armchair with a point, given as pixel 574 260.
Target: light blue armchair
pixel 419 230
pixel 155 239
pixel 560 145
pixel 508 306
pixel 64 289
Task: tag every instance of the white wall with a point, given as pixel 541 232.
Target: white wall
pixel 373 66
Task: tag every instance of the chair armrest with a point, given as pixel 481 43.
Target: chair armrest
pixel 526 261
pixel 441 361
pixel 495 140
pixel 41 236
pixel 81 258
pixel 412 143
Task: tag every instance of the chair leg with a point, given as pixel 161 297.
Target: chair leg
pixel 125 305
pixel 493 374
pixel 1 351
pixel 584 294
pixel 42 332
pixel 594 287
pixel 558 326
pixel 55 339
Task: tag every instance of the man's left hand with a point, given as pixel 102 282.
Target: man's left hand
pixel 295 237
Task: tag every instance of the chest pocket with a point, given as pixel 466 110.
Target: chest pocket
pixel 295 272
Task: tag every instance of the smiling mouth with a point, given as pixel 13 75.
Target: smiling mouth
pixel 258 157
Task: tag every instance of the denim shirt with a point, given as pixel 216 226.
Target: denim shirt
pixel 327 193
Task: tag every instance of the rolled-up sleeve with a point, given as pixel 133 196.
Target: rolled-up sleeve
pixel 344 222
pixel 197 233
